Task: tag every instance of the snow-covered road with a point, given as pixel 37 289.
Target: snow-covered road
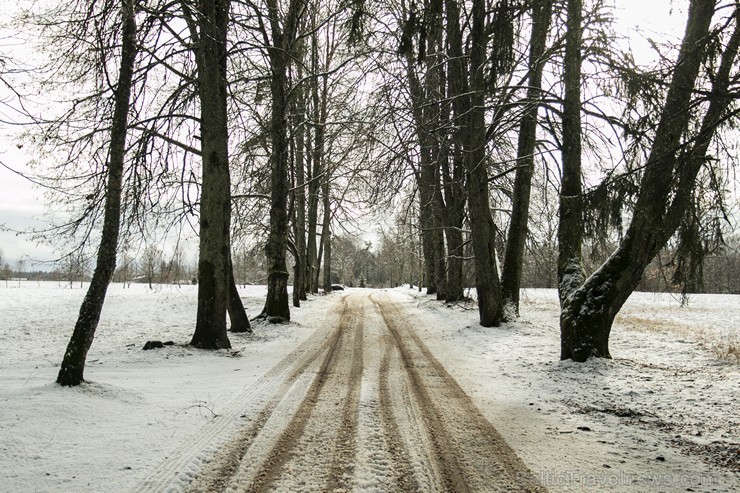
pixel 361 406
pixel 366 390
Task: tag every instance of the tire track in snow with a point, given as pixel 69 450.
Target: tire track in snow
pixel 444 456
pixel 252 436
pixel 375 467
pixel 179 468
pixel 248 448
pixel 345 448
pixel 470 454
pixel 311 451
pixel 405 476
pixel 365 408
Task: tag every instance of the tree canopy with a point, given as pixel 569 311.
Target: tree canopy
pixel 470 132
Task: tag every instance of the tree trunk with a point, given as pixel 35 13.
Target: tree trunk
pixel 588 312
pixel 432 120
pixel 237 313
pixel 319 257
pixel 312 215
pixel 215 210
pixel 426 220
pixel 318 99
pixel 292 215
pixel 426 100
pixel 326 234
pixel 299 281
pixel 514 255
pixel 71 372
pixel 311 267
pixel 424 173
pixel 440 255
pixel 453 220
pixel 454 181
pixel 277 305
pixel 487 283
pixel 570 227
pixel 455 283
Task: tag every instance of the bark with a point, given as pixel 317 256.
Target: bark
pixel 297 274
pixel 454 179
pixel 312 219
pixel 455 288
pixel 424 174
pixel 311 214
pixel 427 224
pixel 237 313
pixel 292 215
pixel 440 255
pixel 71 372
pixel 318 260
pixel 426 100
pixel 570 226
pixel 427 238
pixel 487 284
pixel 214 268
pixel 318 98
pixel 277 305
pixel 588 313
pixel 432 112
pixel 299 282
pixel 326 234
pixel 514 254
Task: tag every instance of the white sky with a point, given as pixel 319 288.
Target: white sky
pixel 21 204
pixel 661 20
pixel 21 207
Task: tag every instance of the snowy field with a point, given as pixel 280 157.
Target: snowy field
pixel 661 416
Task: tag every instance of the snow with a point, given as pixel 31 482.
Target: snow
pixel 598 426
pixel 138 406
pixel 675 396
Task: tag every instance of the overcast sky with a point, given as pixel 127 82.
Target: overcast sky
pixel 21 203
pixel 21 207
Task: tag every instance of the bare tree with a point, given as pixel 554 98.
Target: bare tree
pixel 425 76
pixel 71 372
pixel 126 269
pixel 526 146
pixel 20 269
pixel 208 23
pixel 150 264
pixel 570 228
pixel 4 269
pixel 453 168
pixel 283 40
pixel 487 283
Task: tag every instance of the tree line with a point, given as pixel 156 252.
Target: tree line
pixel 395 262
pixel 486 132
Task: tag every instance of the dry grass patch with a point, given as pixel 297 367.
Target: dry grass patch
pixel 723 344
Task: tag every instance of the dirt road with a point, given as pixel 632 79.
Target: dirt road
pixel 360 406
